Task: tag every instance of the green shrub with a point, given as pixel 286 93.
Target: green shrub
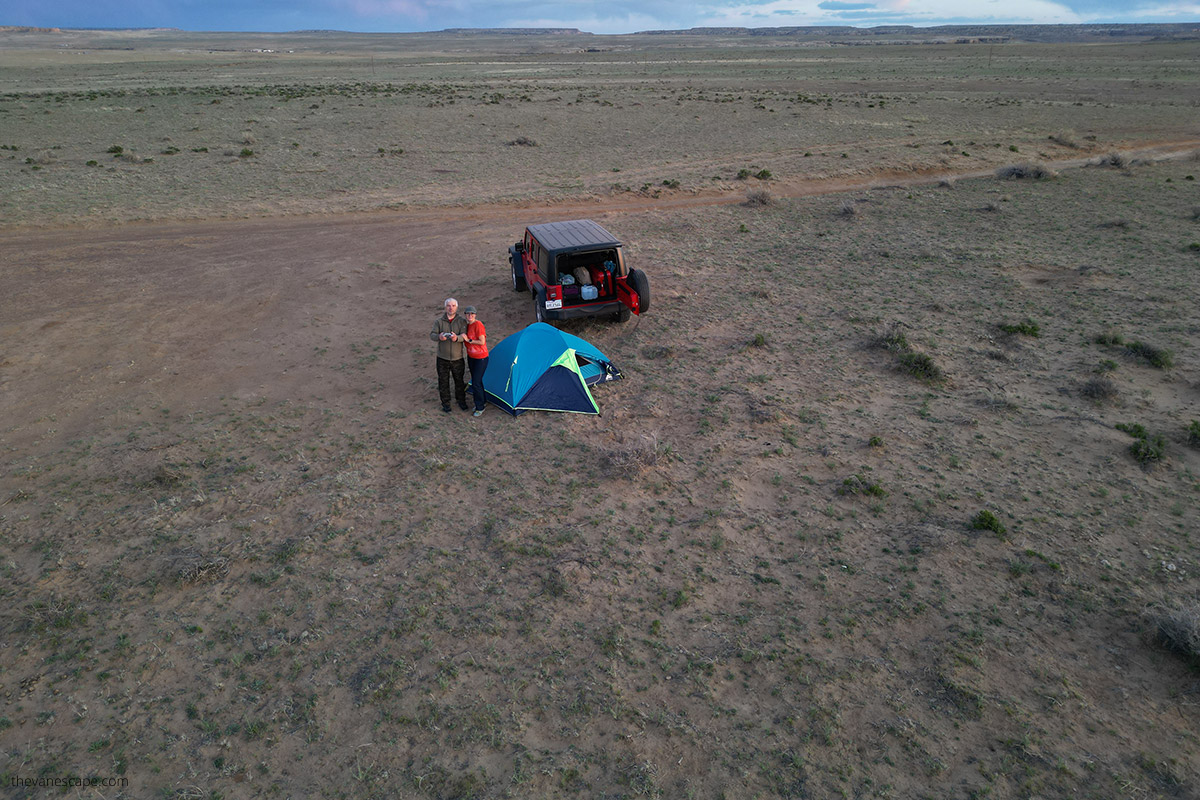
pixel 920 365
pixel 1026 328
pixel 1193 432
pixel 987 521
pixel 857 484
pixel 1146 449
pixel 116 150
pixel 246 153
pixel 1154 356
pixel 1111 338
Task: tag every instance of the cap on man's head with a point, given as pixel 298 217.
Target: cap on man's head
pixel 470 310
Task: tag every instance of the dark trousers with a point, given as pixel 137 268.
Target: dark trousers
pixel 447 368
pixel 478 367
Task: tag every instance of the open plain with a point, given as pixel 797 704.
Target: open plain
pixel 896 498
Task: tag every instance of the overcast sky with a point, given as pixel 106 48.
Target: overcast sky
pixel 617 16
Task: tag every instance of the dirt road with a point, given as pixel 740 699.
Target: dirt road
pixel 106 324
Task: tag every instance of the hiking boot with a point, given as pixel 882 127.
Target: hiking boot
pixel 463 406
pixel 478 412
pixel 445 408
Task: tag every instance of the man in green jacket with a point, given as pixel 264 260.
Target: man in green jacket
pixel 450 331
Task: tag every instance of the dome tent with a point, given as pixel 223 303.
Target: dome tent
pixel 541 368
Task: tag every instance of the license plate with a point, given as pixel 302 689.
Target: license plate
pixel 553 304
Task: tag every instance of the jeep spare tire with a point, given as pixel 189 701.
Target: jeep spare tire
pixel 518 273
pixel 640 284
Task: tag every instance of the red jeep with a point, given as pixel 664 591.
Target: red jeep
pixel 576 269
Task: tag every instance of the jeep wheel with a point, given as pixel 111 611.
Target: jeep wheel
pixel 539 310
pixel 518 276
pixel 623 314
pixel 640 284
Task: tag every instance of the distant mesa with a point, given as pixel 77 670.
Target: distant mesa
pixel 959 34
pixel 27 29
pixel 518 31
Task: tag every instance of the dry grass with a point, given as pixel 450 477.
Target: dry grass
pixel 1177 627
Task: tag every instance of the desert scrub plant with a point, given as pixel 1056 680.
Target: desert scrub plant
pixel 758 197
pixel 1099 389
pixel 1193 434
pixel 1154 356
pixel 1147 449
pixel 987 521
pixel 1177 628
pixel 1113 159
pixel 857 484
pixel 1033 170
pixel 921 366
pixel 848 210
pixel 1026 328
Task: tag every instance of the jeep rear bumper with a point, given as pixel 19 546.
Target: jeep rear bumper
pixel 598 309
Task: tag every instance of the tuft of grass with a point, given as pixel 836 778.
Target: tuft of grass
pixel 848 210
pixel 1110 338
pixel 1032 170
pixel 987 521
pixel 1193 434
pixel 1177 628
pixel 522 141
pixel 1026 328
pixel 893 339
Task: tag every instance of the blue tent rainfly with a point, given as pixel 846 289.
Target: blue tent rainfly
pixel 541 368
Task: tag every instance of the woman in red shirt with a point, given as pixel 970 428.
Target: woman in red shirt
pixel 477 357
